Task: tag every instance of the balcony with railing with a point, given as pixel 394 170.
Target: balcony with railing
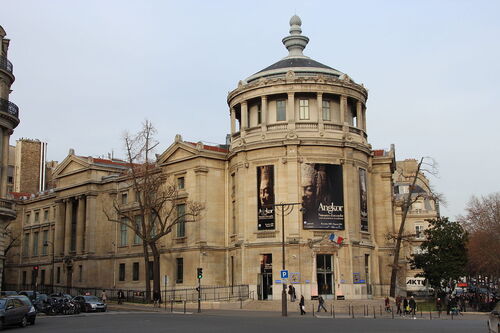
pixel 9 107
pixel 6 65
pixel 7 209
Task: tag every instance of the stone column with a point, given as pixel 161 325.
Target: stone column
pixel 67 228
pixel 80 225
pixel 233 121
pixel 343 109
pixel 201 196
pixel 359 115
pixel 319 99
pixel 5 162
pixel 263 105
pixel 290 108
pixel 363 114
pixel 59 229
pixel 244 116
pixel 90 222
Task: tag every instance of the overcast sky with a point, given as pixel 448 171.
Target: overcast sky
pixel 86 71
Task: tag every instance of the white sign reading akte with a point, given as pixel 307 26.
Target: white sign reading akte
pixel 415 283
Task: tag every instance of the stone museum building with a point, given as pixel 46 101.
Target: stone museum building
pixel 297 173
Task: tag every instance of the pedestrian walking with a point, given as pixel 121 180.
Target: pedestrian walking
pixel 413 306
pixel 121 296
pixel 104 296
pixel 294 295
pixel 387 303
pixel 398 305
pixel 439 304
pixel 302 305
pixel 156 299
pixel 321 304
pixel 406 307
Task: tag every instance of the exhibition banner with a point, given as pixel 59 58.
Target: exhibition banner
pixel 363 200
pixel 322 196
pixel 265 198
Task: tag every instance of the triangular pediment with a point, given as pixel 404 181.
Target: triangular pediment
pixel 178 151
pixel 70 165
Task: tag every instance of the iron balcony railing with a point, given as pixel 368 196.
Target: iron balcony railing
pixel 5 64
pixel 9 107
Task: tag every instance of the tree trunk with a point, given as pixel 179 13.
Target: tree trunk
pixel 406 207
pixel 156 270
pixel 146 272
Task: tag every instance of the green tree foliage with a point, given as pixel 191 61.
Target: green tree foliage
pixel 444 256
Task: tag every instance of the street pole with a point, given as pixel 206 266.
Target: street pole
pixel 199 295
pixel 285 208
pixel 283 293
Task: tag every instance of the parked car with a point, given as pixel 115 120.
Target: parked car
pixel 13 312
pixel 30 293
pixel 32 312
pixel 494 319
pixel 4 293
pixel 90 303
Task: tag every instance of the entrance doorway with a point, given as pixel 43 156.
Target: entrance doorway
pixel 324 270
pixel 265 278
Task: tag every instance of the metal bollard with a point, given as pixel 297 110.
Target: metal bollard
pixel 172 305
pixel 392 312
pixel 430 315
pixel 421 313
pixel 451 315
pixel 352 312
pixel 184 307
pixel 381 311
pixel 374 317
pixel 333 311
pixel 349 306
pixel 313 310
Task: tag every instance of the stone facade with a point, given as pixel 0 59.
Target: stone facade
pixel 298 174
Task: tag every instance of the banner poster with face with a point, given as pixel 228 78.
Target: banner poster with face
pixel 363 200
pixel 265 197
pixel 322 196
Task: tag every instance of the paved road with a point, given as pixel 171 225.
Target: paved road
pixel 123 322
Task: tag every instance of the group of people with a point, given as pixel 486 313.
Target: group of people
pixel 404 305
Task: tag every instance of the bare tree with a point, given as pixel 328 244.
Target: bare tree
pixel 12 239
pixel 419 188
pixel 482 221
pixel 155 212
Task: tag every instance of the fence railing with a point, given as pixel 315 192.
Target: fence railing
pixel 208 293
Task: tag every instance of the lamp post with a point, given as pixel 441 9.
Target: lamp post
pixel 46 243
pixel 286 209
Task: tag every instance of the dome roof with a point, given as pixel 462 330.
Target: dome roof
pixel 296 61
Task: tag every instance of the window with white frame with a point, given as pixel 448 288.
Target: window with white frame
pixel 280 110
pixel 304 109
pixel 326 111
pixel 419 231
pixel 123 234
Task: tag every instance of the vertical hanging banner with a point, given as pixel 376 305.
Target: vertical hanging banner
pixel 322 196
pixel 265 197
pixel 363 200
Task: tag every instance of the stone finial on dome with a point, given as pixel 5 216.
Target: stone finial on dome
pixel 295 43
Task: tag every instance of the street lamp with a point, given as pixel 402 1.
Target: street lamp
pixel 46 243
pixel 286 209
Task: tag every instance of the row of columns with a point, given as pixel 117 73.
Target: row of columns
pixel 85 225
pixel 290 112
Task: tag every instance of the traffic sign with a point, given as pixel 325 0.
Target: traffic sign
pixel 284 274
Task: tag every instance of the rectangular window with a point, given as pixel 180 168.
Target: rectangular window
pixel 80 273
pixel 180 183
pixel 123 235
pixel 138 225
pixel 135 271
pixel 179 277
pixel 28 219
pixel 280 110
pixel 124 198
pixel 419 231
pixel 46 215
pixel 35 243
pixel 58 276
pixel 45 239
pixel 326 111
pixel 304 109
pixel 26 245
pixel 181 222
pixel 37 217
pixel 121 272
pixel 24 278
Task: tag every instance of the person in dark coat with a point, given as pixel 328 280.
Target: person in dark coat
pixel 405 306
pixel 321 304
pixel 398 305
pixel 413 306
pixel 121 296
pixel 302 305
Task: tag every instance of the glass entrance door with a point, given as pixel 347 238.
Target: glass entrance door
pixel 324 270
pixel 266 277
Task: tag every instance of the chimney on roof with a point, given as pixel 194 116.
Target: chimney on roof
pixel 71 151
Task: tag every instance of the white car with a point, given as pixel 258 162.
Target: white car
pixel 494 319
